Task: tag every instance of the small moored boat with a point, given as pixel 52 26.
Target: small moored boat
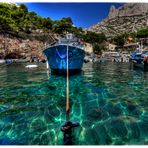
pixel 68 47
pixel 140 59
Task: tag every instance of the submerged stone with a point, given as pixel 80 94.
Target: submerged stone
pixel 8 141
pixel 113 110
pixel 135 131
pixel 38 125
pixel 96 114
pixel 117 128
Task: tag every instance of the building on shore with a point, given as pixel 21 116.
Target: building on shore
pixel 111 47
pixel 131 46
pixel 88 48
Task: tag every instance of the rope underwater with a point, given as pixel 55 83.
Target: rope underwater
pixel 68 126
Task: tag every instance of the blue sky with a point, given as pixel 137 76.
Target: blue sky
pixel 83 14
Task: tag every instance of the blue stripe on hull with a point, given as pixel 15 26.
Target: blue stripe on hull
pixel 57 57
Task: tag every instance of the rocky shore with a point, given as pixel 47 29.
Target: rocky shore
pixel 31 50
pixel 17 48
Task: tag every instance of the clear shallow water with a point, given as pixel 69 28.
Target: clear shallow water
pixel 109 100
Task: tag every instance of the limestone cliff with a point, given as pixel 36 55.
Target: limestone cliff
pixel 27 48
pixel 129 18
pixel 128 9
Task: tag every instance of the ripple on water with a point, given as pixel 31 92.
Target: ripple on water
pixel 108 99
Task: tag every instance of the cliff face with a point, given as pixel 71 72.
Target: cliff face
pixel 27 46
pixel 23 47
pixel 128 9
pixel 129 18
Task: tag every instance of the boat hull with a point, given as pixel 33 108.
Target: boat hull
pixel 57 58
pixel 140 64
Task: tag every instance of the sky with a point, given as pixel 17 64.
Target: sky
pixel 83 14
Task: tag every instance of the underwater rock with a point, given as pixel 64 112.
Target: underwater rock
pixel 91 135
pixel 103 134
pixel 108 140
pixel 101 102
pixel 52 110
pixel 119 141
pixel 144 117
pixel 38 125
pixel 96 114
pixel 86 123
pixel 8 141
pixel 47 138
pixel 131 107
pixel 61 101
pixel 51 114
pixel 114 110
pixel 143 125
pixel 100 89
pixel 135 131
pixel 50 87
pixel 127 119
pixel 36 140
pixel 117 128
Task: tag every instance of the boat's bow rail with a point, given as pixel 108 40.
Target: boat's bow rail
pixel 67 44
pixel 69 40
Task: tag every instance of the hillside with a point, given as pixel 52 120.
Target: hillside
pixel 23 34
pixel 129 18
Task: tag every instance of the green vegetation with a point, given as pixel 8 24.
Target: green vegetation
pixel 63 25
pixel 120 40
pixel 96 39
pixel 92 37
pixel 17 20
pixel 98 48
pixel 142 33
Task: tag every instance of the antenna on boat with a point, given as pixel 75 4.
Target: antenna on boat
pixel 68 126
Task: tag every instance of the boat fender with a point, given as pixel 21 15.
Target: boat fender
pixel 146 59
pixel 31 66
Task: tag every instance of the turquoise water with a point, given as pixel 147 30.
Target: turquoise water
pixel 110 100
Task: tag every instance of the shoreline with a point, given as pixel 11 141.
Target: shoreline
pixel 90 60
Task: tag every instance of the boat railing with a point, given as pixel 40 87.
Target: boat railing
pixel 64 40
pixel 74 44
pixel 49 45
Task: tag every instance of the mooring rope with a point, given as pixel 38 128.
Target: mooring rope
pixel 67 90
pixel 68 126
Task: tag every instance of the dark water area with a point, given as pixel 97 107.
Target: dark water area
pixel 109 100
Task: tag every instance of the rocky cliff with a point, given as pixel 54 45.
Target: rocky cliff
pixel 26 48
pixel 129 18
